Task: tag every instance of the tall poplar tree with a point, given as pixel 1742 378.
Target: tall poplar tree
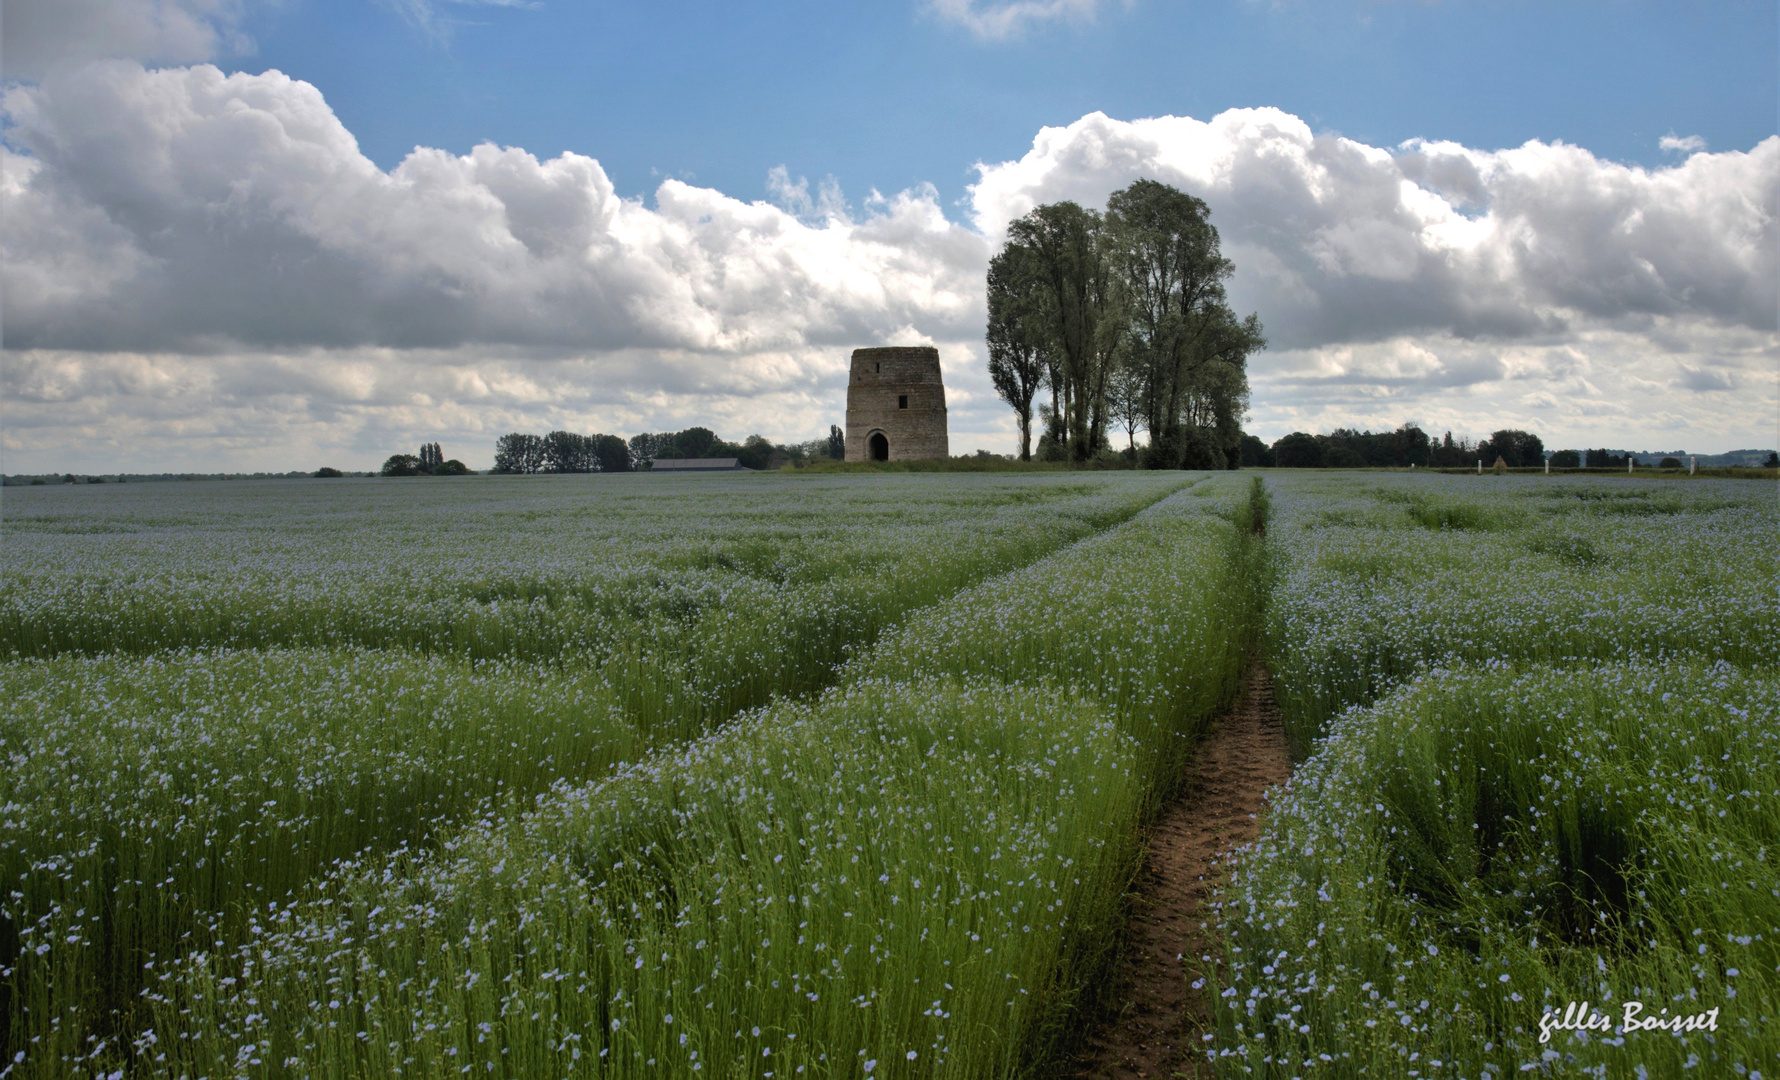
pixel 1169 255
pixel 1016 334
pixel 1083 318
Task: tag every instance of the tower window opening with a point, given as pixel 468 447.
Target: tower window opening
pixel 902 401
pixel 877 369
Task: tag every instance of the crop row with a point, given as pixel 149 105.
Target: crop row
pixel 1482 847
pixel 914 872
pixel 152 801
pixel 1543 725
pixel 1378 582
pixel 691 607
pixel 521 568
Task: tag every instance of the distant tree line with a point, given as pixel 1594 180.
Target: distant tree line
pixel 1616 459
pixel 560 452
pixel 1600 458
pixel 567 452
pixel 1121 319
pixel 429 462
pixel 1345 448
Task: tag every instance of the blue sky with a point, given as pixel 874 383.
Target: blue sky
pixel 277 232
pixel 888 95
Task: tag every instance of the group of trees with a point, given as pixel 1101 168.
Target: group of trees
pixel 1121 317
pixel 754 452
pixel 429 462
pixel 560 452
pixel 1345 448
pixel 567 452
pixel 1515 448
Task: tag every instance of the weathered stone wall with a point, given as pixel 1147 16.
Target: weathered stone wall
pixel 880 381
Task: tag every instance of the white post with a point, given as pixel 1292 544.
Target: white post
pixel 1691 462
pixel 1479 466
pixel 1547 466
pixel 1629 461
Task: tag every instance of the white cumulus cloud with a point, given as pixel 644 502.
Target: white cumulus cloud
pixel 1436 280
pixel 1339 241
pixel 237 210
pixel 200 264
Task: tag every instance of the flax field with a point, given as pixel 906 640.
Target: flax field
pixel 1539 731
pixel 849 775
pixel 555 777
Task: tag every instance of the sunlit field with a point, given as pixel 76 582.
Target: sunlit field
pixel 848 775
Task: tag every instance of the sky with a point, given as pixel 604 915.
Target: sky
pixel 273 234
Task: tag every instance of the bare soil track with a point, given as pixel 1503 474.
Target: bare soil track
pixel 1159 1026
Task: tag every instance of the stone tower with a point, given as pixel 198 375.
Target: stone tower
pixel 896 405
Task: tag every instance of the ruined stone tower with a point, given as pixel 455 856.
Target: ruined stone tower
pixel 896 405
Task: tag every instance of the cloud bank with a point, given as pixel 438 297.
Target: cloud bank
pixel 1537 286
pixel 45 36
pixel 200 265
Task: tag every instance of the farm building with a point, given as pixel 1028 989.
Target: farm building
pixel 698 464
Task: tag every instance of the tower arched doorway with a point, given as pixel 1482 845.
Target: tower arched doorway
pixel 879 446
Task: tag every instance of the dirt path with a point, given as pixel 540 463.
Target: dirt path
pixel 1157 1032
